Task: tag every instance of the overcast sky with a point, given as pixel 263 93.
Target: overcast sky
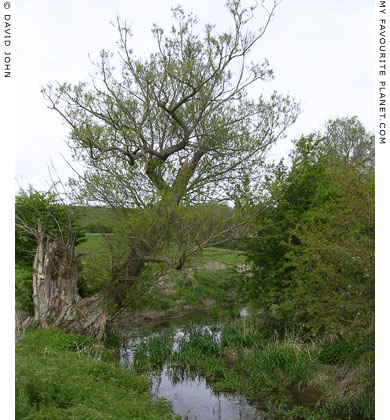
pixel 321 53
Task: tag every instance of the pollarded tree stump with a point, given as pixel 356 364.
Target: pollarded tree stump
pixel 55 291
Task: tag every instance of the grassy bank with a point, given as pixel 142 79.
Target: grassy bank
pixel 289 378
pixel 212 276
pixel 202 288
pixel 65 376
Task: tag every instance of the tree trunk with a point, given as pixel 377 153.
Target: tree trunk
pixel 55 292
pixel 87 316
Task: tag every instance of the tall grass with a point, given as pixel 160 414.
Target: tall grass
pixel 239 358
pixel 62 376
pixel 153 351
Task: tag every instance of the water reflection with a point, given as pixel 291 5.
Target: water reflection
pixel 190 395
pixel 192 399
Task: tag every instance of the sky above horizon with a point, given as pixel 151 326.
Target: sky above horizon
pixel 322 54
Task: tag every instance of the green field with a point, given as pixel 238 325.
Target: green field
pixel 95 244
pixel 210 275
pixel 223 255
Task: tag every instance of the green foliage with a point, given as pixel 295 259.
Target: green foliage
pixel 94 253
pixel 336 352
pixel 223 286
pixel 292 194
pixel 198 340
pixel 347 140
pixel 107 259
pixel 239 335
pixel 194 287
pixel 347 349
pixel 314 252
pixel 57 378
pixel 188 90
pixel 332 265
pixel 23 292
pixel 282 411
pixel 363 405
pixel 354 394
pixel 56 219
pixel 162 152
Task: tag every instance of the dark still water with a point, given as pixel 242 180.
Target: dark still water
pixel 193 399
pixel 190 396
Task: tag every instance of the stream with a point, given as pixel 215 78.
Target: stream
pixel 190 396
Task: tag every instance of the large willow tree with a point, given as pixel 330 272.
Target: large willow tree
pixel 173 137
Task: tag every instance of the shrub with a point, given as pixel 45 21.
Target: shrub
pixel 336 352
pixel 348 349
pixel 314 251
pixel 23 293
